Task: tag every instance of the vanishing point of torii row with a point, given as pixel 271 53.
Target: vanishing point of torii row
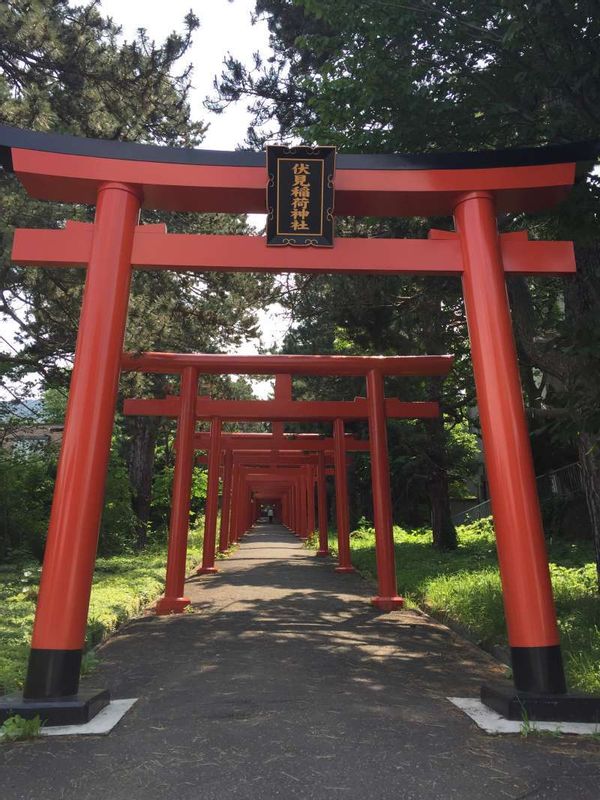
pixel 121 178
pixel 188 408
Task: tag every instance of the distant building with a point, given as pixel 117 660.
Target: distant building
pixel 20 428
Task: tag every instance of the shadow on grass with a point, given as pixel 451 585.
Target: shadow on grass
pixel 463 586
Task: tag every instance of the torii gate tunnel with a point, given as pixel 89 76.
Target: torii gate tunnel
pixel 120 178
pixel 303 448
pixel 188 408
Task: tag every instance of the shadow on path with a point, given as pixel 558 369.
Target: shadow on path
pixel 284 683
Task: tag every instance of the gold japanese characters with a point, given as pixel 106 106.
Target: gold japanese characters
pixel 300 196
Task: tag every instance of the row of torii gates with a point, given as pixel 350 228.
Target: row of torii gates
pixel 121 178
pixel 282 467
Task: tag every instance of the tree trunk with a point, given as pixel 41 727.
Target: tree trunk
pixel 444 532
pixel 589 460
pixel 582 299
pixel 143 432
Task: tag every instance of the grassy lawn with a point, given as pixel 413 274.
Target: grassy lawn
pixel 464 587
pixel 122 586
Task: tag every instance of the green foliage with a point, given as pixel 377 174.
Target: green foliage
pixel 63 67
pixel 122 586
pixel 17 728
pixel 54 406
pixel 161 493
pixel 117 529
pixel 25 474
pixel 464 456
pixel 30 473
pixel 464 75
pixel 463 586
pixel 89 662
pixel 424 77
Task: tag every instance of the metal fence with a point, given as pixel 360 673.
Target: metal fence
pixel 562 482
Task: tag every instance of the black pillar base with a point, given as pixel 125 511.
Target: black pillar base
pixel 513 704
pixel 75 710
pixel 52 674
pixel 538 669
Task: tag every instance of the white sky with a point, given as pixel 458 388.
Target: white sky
pixel 225 27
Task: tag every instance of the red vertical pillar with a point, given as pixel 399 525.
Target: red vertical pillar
pixel 226 501
pixel 247 510
pixel 61 615
pixel 303 492
pixel 285 520
pixel 387 598
pixel 299 507
pixel 303 504
pixel 310 486
pixel 527 590
pixel 241 505
pixel 174 600
pixel 341 498
pixel 322 506
pixel 212 500
pixel 295 517
pixel 235 505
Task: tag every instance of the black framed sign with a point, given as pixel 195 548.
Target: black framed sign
pixel 300 195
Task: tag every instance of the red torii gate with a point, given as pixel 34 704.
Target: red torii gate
pixel 120 178
pixel 375 408
pixel 270 479
pixel 269 458
pixel 280 444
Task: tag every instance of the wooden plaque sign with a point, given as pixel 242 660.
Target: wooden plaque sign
pixel 300 196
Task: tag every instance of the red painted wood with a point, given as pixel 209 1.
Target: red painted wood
pixel 226 501
pixel 387 598
pixel 322 506
pixel 212 499
pixel 217 364
pixel 313 444
pixel 282 410
pixel 155 249
pixel 341 499
pixel 193 187
pixel 174 600
pixel 527 591
pixel 79 490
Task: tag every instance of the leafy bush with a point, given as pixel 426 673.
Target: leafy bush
pixel 122 586
pixel 463 586
pixel 117 529
pixel 161 494
pixel 16 728
pixel 26 486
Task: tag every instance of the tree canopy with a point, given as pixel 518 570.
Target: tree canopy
pixel 66 68
pixel 383 76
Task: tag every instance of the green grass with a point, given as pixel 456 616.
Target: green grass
pixel 16 728
pixel 122 586
pixel 463 586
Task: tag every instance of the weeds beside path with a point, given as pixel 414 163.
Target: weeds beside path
pixel 122 586
pixel 463 586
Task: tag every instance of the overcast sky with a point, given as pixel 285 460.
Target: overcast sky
pixel 225 27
